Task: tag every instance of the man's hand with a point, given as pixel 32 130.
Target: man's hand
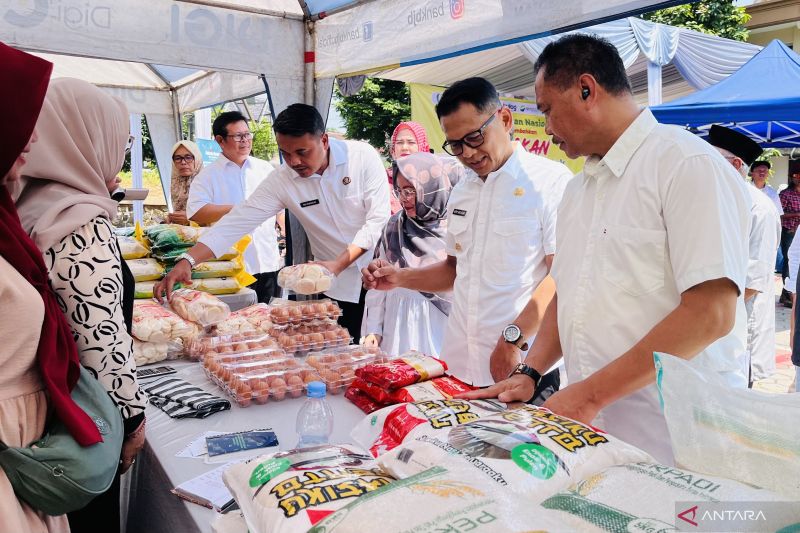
pixel 518 388
pixel 131 446
pixel 373 340
pixel 504 358
pixel 380 275
pixel 180 273
pixel 576 401
pixel 178 217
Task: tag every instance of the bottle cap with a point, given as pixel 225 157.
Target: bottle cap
pixel 316 389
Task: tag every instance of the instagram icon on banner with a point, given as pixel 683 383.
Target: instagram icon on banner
pixel 456 9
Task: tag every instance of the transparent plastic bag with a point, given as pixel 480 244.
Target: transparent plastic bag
pixel 198 306
pixel 145 353
pixel 308 278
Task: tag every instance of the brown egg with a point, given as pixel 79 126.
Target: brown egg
pixel 295 385
pixel 347 374
pixel 296 312
pixel 333 309
pixel 310 376
pixel 316 338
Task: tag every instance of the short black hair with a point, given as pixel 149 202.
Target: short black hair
pixel 476 91
pixel 571 56
pixel 220 126
pixel 298 120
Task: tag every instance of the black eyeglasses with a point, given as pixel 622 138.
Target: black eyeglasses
pixel 183 158
pixel 473 140
pixel 240 137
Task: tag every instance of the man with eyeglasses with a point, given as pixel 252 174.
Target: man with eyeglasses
pixel 226 183
pixel 500 239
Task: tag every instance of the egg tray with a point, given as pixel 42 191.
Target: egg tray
pixel 198 346
pixel 285 312
pixel 336 367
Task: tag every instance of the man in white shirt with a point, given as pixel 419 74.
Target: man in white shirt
pixel 759 172
pixel 765 234
pixel 500 238
pixel 652 252
pixel 226 183
pixel 336 189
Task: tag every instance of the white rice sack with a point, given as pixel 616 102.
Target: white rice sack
pixel 439 500
pixel 288 492
pixel 146 269
pixel 642 497
pixel 130 248
pixel 527 450
pixel 387 428
pixel 154 323
pixel 201 307
pixel 742 434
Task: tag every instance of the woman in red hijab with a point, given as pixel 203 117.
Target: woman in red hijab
pixel 407 138
pixel 38 357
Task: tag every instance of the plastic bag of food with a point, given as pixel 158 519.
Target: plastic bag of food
pixel 386 429
pixel 440 500
pixel 217 269
pixel 130 248
pixel 146 269
pixel 259 316
pixel 643 497
pixel 527 449
pixel 167 236
pixel 154 323
pixel 362 400
pixel 308 278
pixel 230 285
pixel 288 492
pixel 200 307
pixel 443 387
pixel 411 367
pixel 742 434
pixel 145 353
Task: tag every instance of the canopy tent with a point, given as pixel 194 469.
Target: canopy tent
pixel 690 60
pixel 760 100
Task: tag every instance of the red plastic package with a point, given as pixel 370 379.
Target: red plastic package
pixel 410 368
pixel 443 387
pixel 362 400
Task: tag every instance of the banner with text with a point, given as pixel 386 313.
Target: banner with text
pixel 528 124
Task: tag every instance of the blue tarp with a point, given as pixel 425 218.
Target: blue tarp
pixel 761 100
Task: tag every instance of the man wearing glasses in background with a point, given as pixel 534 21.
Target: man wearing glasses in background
pixel 500 240
pixel 227 182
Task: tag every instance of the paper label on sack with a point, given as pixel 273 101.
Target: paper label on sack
pixel 425 366
pixel 268 470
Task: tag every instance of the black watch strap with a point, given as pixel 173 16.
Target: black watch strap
pixel 532 373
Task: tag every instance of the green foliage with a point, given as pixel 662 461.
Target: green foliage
pixel 264 145
pixel 375 110
pixel 716 17
pixel 148 152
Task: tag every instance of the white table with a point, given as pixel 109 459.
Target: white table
pixel 151 507
pixel 239 300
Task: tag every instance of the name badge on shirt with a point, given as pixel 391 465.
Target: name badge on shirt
pixel 309 203
pixel 459 212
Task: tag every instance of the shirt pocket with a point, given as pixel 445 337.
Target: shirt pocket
pixel 633 259
pixel 514 244
pixel 459 229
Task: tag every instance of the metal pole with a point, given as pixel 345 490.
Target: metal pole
pixel 137 164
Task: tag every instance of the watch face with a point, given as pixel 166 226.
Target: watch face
pixel 512 333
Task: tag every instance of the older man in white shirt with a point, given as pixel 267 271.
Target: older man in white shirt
pixel 652 252
pixel 500 240
pixel 336 189
pixel 226 183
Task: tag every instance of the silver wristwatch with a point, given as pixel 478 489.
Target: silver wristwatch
pixel 189 258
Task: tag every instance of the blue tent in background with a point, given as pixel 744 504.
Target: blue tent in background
pixel 761 100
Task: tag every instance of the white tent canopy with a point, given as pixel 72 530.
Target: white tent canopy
pixel 690 60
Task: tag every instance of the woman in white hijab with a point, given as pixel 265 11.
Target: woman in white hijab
pixel 187 162
pixel 65 206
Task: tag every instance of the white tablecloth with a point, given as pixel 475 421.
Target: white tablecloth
pixel 239 300
pixel 151 507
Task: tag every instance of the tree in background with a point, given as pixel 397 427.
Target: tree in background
pixel 716 17
pixel 264 145
pixel 373 112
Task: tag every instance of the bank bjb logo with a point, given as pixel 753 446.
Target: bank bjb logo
pixel 456 8
pixel 367 27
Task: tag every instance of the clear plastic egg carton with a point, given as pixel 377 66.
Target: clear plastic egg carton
pixel 288 312
pixel 312 336
pixel 249 383
pixel 336 367
pixel 211 344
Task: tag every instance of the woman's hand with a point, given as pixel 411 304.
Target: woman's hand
pixel 131 446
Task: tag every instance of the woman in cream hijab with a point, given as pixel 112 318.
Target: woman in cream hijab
pixel 65 206
pixel 187 162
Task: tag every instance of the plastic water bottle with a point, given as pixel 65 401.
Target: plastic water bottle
pixel 315 418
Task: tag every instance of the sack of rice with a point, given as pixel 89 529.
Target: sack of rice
pixel 217 269
pixel 643 497
pixel 411 367
pixel 230 285
pixel 742 434
pixel 146 269
pixel 130 248
pixel 288 492
pixel 387 428
pixel 527 450
pixel 439 500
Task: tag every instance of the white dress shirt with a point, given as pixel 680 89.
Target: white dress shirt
pixel 499 231
pixel 773 195
pixel 765 234
pixel 662 212
pixel 347 204
pixel 223 182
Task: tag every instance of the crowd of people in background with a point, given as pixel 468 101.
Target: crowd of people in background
pixel 530 283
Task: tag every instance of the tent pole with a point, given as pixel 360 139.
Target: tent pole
pixel 310 63
pixel 176 114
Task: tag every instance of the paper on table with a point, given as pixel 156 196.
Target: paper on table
pixel 238 456
pixel 197 448
pixel 207 489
